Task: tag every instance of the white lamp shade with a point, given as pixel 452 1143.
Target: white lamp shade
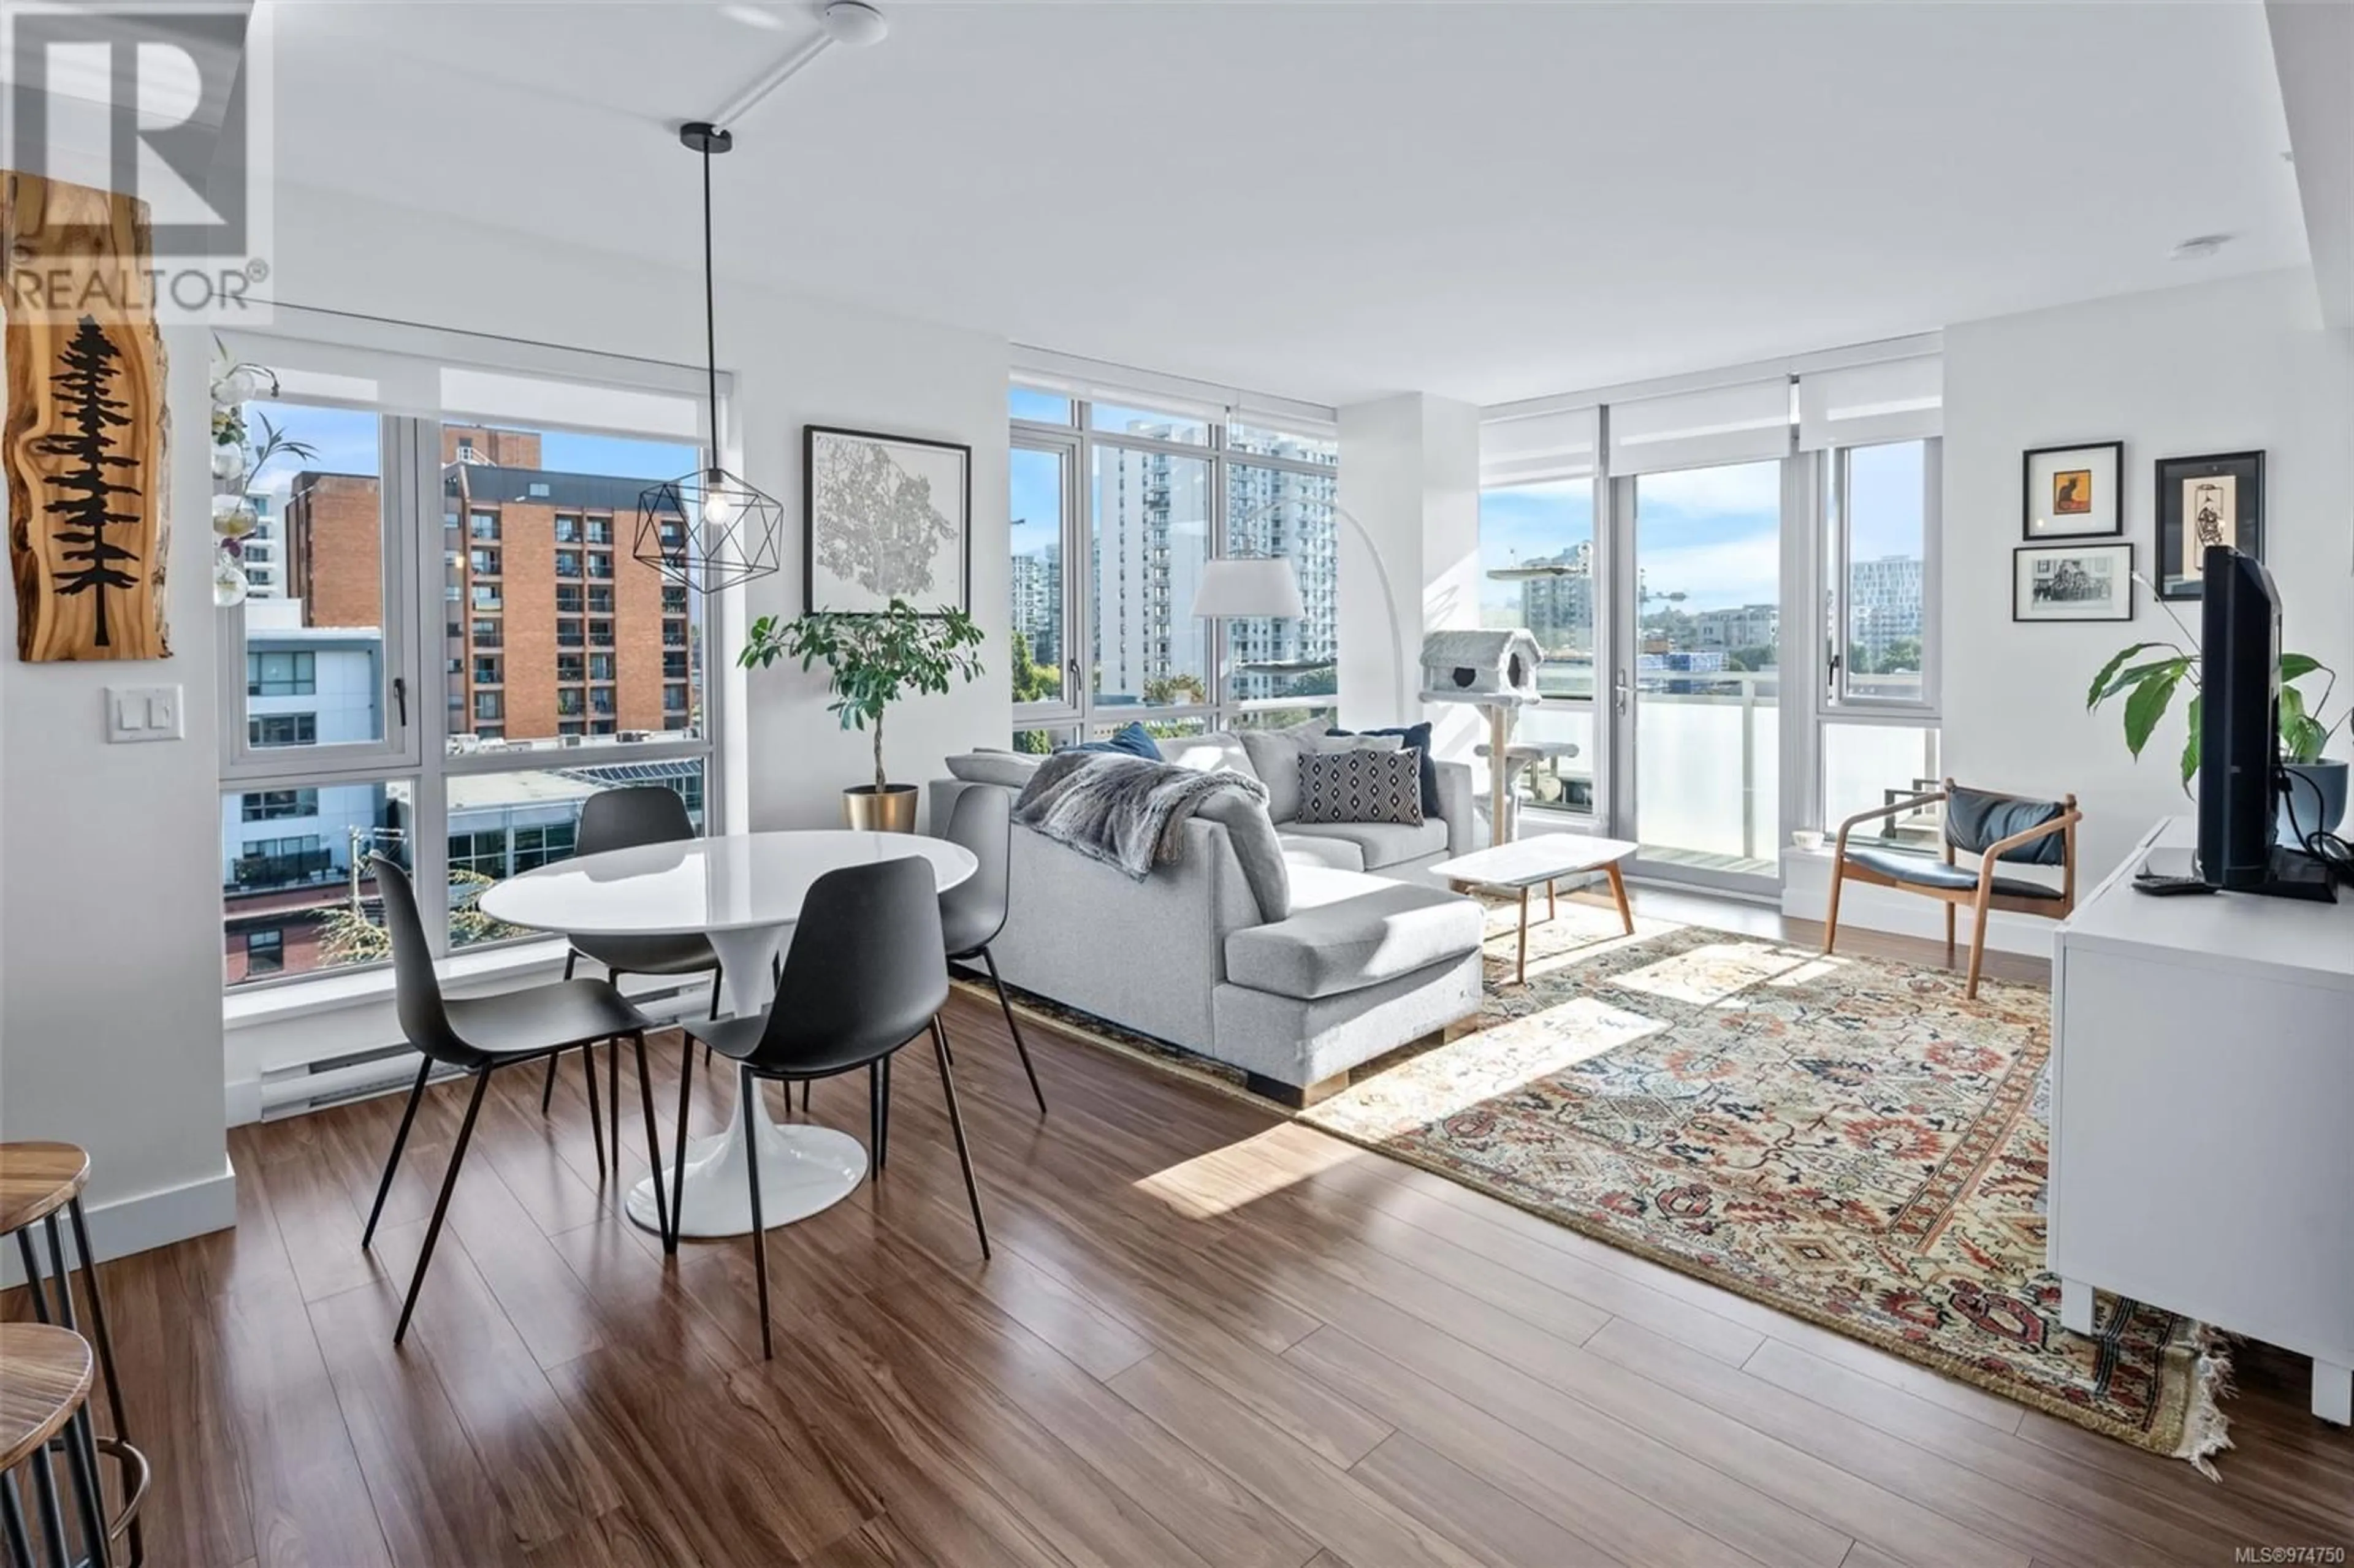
pixel 1236 590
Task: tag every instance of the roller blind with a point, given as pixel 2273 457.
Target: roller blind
pixel 1894 400
pixel 1747 422
pixel 525 384
pixel 1564 444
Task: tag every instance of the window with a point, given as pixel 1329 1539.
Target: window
pixel 674 664
pixel 674 599
pixel 601 602
pixel 303 803
pixel 282 729
pixel 601 564
pixel 265 951
pixel 1881 590
pixel 600 666
pixel 568 563
pixel 1115 509
pixel 600 634
pixel 281 674
pixel 271 805
pixel 1870 765
pixel 600 699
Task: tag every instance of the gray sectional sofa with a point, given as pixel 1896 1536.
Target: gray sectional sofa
pixel 1360 955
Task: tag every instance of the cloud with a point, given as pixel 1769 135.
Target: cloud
pixel 1743 489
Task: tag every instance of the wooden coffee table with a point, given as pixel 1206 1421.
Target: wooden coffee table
pixel 1524 864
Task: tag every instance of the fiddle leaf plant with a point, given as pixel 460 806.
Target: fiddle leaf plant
pixel 873 660
pixel 2148 688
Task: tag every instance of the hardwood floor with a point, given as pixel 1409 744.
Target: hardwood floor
pixel 1207 1338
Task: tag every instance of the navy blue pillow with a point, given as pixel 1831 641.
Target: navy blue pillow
pixel 1414 737
pixel 1132 738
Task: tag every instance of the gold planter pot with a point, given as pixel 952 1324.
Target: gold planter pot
pixel 891 809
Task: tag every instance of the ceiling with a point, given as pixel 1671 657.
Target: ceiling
pixel 1333 201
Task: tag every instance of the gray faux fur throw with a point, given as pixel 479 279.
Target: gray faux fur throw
pixel 1123 810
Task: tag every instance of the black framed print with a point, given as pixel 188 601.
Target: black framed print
pixel 2072 582
pixel 884 517
pixel 2074 492
pixel 2203 501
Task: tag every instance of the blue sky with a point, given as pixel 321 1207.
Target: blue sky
pixel 346 442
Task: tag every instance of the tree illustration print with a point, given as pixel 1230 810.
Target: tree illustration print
pixel 876 524
pixel 86 508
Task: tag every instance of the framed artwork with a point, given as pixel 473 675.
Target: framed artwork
pixel 2072 582
pixel 2074 492
pixel 884 517
pixel 2204 500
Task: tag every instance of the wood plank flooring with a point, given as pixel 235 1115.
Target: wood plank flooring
pixel 1207 1338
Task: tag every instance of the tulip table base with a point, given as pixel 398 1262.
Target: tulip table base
pixel 803 1169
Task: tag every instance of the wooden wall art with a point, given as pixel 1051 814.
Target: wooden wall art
pixel 87 432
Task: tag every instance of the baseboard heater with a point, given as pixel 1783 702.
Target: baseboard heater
pixel 303 1087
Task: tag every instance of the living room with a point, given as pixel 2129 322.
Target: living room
pixel 940 502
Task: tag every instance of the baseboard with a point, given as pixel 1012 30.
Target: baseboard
pixel 142 1221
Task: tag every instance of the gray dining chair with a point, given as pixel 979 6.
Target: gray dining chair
pixel 866 973
pixel 973 912
pixel 618 819
pixel 478 1035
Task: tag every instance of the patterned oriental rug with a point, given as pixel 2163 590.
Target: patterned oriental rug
pixel 1845 1139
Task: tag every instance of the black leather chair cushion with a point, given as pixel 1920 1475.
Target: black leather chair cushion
pixel 1975 820
pixel 1922 870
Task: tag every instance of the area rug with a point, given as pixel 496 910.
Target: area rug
pixel 1845 1139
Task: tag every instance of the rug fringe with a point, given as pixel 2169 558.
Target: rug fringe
pixel 2206 1430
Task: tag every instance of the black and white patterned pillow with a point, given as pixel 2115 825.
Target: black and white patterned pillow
pixel 1360 785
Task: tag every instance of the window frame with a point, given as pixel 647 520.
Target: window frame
pixel 1833 551
pixel 415 749
pixel 1078 443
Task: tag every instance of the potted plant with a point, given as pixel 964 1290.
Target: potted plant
pixel 2316 793
pixel 874 660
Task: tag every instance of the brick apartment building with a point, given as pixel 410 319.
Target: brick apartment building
pixel 553 626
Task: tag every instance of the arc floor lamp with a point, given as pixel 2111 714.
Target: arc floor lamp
pixel 1241 587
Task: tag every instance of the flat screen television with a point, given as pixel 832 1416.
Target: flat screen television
pixel 2239 699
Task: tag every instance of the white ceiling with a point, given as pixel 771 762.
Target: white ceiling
pixel 1336 200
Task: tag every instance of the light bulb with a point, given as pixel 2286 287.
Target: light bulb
pixel 718 508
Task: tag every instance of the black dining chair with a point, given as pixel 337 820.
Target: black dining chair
pixel 625 818
pixel 973 912
pixel 478 1035
pixel 866 973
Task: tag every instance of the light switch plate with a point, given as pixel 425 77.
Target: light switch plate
pixel 143 713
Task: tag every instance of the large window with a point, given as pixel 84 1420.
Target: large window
pixel 1117 507
pixel 1537 569
pixel 427 553
pixel 1878 726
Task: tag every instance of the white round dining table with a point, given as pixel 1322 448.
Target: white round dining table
pixel 743 892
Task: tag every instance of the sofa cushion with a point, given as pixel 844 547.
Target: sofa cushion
pixel 1360 786
pixel 1348 931
pixel 1132 737
pixel 1011 769
pixel 1274 758
pixel 1209 753
pixel 1319 849
pixel 1413 737
pixel 1378 843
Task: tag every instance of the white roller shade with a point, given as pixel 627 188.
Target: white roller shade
pixel 1560 445
pixel 352 364
pixel 1747 422
pixel 1894 400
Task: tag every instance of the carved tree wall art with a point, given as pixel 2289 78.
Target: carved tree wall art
pixel 86 433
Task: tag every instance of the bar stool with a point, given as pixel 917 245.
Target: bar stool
pixel 45 1374
pixel 37 1180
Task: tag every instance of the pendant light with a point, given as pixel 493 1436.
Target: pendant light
pixel 709 529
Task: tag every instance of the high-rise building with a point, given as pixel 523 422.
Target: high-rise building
pixel 1038 603
pixel 1280 512
pixel 1742 626
pixel 1152 514
pixel 1558 609
pixel 1885 605
pixel 555 628
pixel 261 553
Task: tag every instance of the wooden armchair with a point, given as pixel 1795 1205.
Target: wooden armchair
pixel 1995 828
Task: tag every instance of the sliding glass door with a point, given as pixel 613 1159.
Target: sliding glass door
pixel 1696 685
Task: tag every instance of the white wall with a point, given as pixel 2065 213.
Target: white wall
pixel 110 898
pixel 2217 368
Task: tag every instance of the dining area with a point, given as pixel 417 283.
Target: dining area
pixel 827 952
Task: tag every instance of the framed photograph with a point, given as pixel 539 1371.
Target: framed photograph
pixel 2074 492
pixel 2204 500
pixel 884 517
pixel 2072 582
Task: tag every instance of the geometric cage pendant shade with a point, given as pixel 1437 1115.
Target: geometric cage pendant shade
pixel 710 530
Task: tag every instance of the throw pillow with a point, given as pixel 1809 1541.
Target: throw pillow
pixel 1209 753
pixel 1416 736
pixel 1130 738
pixel 1275 757
pixel 1360 785
pixel 1009 769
